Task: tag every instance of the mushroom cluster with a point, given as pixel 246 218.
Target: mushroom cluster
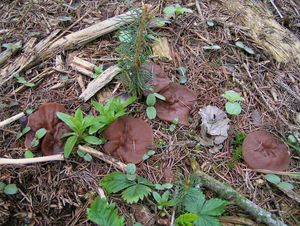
pixel 46 118
pixel 262 150
pixel 179 99
pixel 128 139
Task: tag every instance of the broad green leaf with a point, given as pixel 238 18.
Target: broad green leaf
pixel 24 131
pixel 96 127
pixel 151 99
pixel 88 157
pixel 135 193
pixel 272 178
pixel 157 197
pixel 233 108
pixel 2 186
pixel 69 145
pixel 213 207
pixel 67 119
pixel 212 47
pixel 207 221
pixel 180 10
pixel 35 142
pixel 194 200
pixel 182 80
pixel 151 112
pixel 210 23
pixel 232 96
pixel 115 182
pixel 40 133
pixel 159 96
pixel 131 168
pixel 81 153
pixel 144 181
pixel 169 10
pixel 165 196
pixel 292 139
pixel 10 189
pixel 104 214
pixel 28 154
pixel 167 185
pixel 131 177
pixel 78 115
pixel 150 152
pixel 285 186
pixel 29 111
pixel 98 70
pixel 145 157
pixel 93 140
pixel 158 187
pixel 186 219
pixel 13 46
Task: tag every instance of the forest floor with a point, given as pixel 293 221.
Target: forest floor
pixel 55 193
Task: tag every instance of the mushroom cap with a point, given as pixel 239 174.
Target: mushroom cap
pixel 128 139
pixel 262 150
pixel 178 103
pixel 46 118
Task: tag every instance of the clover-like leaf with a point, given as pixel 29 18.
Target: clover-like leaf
pixel 151 112
pixel 233 108
pixel 272 178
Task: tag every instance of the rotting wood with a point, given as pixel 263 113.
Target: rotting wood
pixel 98 83
pixel 76 39
pixel 6 161
pixel 106 158
pixel 276 40
pixel 227 192
pixel 11 119
pixel 82 66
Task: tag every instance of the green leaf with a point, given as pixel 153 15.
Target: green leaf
pixel 29 84
pixel 131 177
pixel 182 80
pixel 135 193
pixel 172 128
pixel 157 197
pixel 81 153
pixel 28 154
pixel 186 219
pixel 207 221
pixel 159 22
pixel 40 133
pixel 232 96
pixel 131 168
pixel 210 23
pixel 159 96
pixel 169 10
pixel 194 200
pixel 104 214
pixel 233 108
pixel 285 186
pixel 35 142
pixel 182 71
pixel 165 196
pixel 78 115
pixel 2 186
pixel 98 70
pixel 115 182
pixel 88 157
pixel 69 145
pixel 151 99
pixel 10 189
pixel 13 46
pixel 244 47
pixel 212 47
pixel 213 207
pixel 67 119
pixel 292 139
pixel 167 185
pixel 272 178
pixel 125 36
pixel 180 10
pixel 24 131
pixel 29 111
pixel 151 112
pixel 145 157
pixel 93 140
pixel 150 152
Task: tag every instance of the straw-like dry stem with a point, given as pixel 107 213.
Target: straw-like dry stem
pixel 50 158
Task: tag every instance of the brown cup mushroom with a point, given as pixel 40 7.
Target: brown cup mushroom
pixel 128 139
pixel 46 118
pixel 179 101
pixel 262 150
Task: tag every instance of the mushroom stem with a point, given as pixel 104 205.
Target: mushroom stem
pixel 5 161
pixel 106 158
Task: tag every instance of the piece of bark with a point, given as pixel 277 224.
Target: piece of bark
pixel 98 83
pixel 276 40
pixel 44 51
pixel 227 192
pixel 82 66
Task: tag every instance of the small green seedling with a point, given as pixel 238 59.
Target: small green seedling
pixel 28 154
pixel 233 106
pixel 171 11
pixel 23 81
pixel 212 47
pixel 292 141
pixel 97 71
pixel 163 200
pixel 150 101
pixel 38 136
pixel 246 48
pixel 29 111
pixel 8 189
pixel 86 156
pixel 182 72
pixel 186 219
pixel 148 155
pixel 13 46
pixel 165 186
pixel 79 125
pixel 23 132
pixel 173 125
pixel 210 23
pixel 274 179
pixel 131 172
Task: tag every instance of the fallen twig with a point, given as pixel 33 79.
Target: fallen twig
pixel 11 119
pixel 5 161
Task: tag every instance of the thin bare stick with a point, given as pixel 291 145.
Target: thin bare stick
pixel 11 119
pixel 5 161
pixel 106 158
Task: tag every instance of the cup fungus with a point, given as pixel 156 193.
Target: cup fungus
pixel 262 150
pixel 128 139
pixel 46 118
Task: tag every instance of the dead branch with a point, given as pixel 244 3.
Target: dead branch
pixel 11 119
pixel 5 161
